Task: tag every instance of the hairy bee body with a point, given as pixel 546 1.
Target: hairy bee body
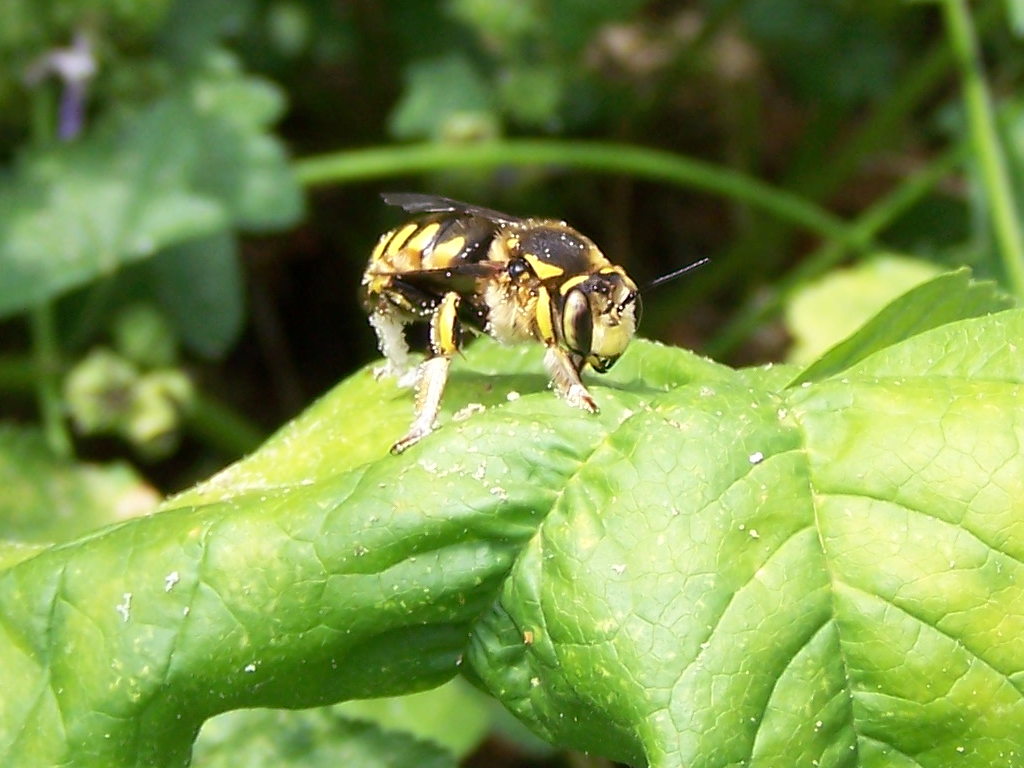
pixel 517 280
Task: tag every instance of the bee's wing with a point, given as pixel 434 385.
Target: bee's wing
pixel 447 276
pixel 426 285
pixel 413 202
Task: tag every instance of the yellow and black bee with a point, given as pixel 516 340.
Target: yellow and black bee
pixel 515 279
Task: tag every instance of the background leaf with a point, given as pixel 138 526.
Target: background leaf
pixel 454 716
pixel 436 92
pixel 825 312
pixel 187 166
pixel 946 298
pixel 201 290
pixel 311 739
pixel 49 499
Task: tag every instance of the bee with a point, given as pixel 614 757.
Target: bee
pixel 518 280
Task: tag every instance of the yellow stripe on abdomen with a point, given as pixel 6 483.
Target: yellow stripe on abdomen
pixel 422 239
pixel 445 253
pixel 397 242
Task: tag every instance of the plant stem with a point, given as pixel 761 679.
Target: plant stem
pixel 46 355
pixel 600 157
pixel 771 240
pixel 869 224
pixel 45 346
pixel 988 150
pixel 17 374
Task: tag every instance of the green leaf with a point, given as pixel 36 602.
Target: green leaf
pixel 531 94
pixel 453 716
pixel 1015 13
pixel 201 289
pixel 75 213
pixel 314 739
pixel 50 499
pixel 828 310
pixel 13 552
pixel 856 49
pixel 192 27
pixel 238 162
pixel 191 165
pixel 30 27
pixel 437 92
pixel 944 299
pixel 714 570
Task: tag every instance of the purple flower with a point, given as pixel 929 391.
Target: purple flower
pixel 75 66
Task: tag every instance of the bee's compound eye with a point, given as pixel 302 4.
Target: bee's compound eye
pixel 517 268
pixel 638 309
pixel 577 322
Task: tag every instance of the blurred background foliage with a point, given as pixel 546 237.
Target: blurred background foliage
pixel 189 192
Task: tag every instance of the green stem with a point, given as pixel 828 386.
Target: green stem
pixel 920 82
pixel 46 354
pixel 45 346
pixel 772 240
pixel 43 113
pixel 871 222
pixel 17 374
pixel 988 150
pixel 599 157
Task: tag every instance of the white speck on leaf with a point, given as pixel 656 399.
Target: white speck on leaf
pixel 756 457
pixel 754 534
pixel 170 580
pixel 125 606
pixel 512 396
pixel 464 413
pixel 619 568
pixel 250 667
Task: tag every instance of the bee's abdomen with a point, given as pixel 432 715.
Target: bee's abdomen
pixel 434 243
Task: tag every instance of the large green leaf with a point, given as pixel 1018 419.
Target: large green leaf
pixel 192 164
pixel 715 570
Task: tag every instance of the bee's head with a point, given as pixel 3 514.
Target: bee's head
pixel 599 317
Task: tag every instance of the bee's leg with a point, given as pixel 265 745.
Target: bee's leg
pixel 433 372
pixel 565 377
pixel 390 329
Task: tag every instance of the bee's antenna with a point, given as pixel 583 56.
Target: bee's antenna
pixel 673 275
